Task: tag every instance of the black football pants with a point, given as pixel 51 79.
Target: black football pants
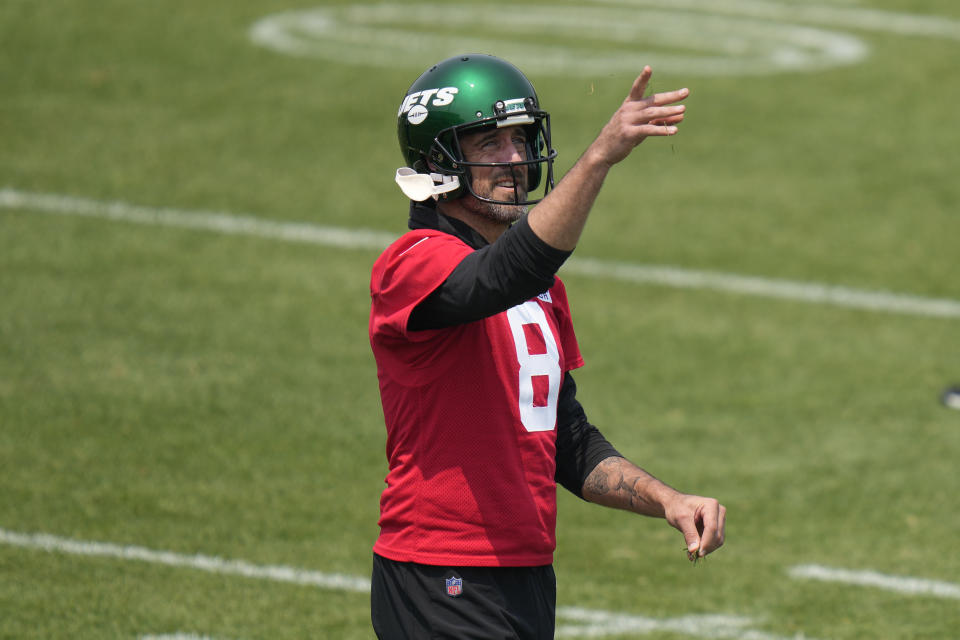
pixel 410 601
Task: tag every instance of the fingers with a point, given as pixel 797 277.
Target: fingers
pixel 674 119
pixel 722 530
pixel 654 129
pixel 641 122
pixel 673 113
pixel 640 84
pixel 640 87
pixel 654 115
pixel 703 522
pixel 711 519
pixel 692 538
pixel 669 97
pixel 663 118
pixel 639 118
pixel 708 522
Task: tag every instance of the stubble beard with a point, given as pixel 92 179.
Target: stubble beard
pixel 496 212
pixel 502 213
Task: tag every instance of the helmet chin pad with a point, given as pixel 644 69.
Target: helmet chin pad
pixel 420 186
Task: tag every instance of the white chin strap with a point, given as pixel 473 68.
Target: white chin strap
pixel 420 186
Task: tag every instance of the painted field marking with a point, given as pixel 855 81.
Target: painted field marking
pixel 175 636
pixel 220 222
pixel 595 624
pixel 858 18
pixel 342 238
pixel 582 622
pixel 700 37
pixel 393 35
pixel 210 564
pixel 808 292
pixel 899 584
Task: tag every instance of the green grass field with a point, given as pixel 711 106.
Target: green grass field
pixel 172 387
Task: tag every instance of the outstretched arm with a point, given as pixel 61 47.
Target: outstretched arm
pixel 618 483
pixel 559 219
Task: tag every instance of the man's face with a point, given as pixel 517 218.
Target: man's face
pixel 497 183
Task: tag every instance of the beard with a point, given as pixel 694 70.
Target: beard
pixel 497 212
pixel 506 213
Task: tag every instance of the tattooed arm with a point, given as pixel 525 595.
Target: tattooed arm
pixel 616 482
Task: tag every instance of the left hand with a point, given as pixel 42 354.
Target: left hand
pixel 702 521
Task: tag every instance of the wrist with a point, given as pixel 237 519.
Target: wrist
pixel 595 160
pixel 662 497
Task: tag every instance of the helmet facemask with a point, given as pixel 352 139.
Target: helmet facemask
pixel 447 156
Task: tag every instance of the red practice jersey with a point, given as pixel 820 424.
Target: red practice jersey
pixel 470 412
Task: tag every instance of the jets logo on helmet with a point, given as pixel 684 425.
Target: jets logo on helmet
pixel 462 95
pixel 441 98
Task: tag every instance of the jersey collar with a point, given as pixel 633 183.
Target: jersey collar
pixel 423 216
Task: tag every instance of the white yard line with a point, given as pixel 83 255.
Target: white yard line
pixel 175 636
pixel 218 221
pixel 809 292
pixel 572 621
pixel 210 564
pixel 579 622
pixel 899 584
pixel 587 623
pixel 344 238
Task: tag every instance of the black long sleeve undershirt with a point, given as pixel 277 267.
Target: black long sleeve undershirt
pixel 494 278
pixel 580 445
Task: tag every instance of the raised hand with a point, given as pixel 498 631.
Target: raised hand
pixel 638 118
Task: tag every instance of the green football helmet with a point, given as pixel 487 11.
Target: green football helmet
pixel 461 95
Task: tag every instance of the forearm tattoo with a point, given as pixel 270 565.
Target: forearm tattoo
pixel 616 482
pixel 599 483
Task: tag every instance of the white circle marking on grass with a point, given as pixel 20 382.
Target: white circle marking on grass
pixel 700 37
pixel 847 17
pixel 560 40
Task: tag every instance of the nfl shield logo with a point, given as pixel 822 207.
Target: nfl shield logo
pixel 454 586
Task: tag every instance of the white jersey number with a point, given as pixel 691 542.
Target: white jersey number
pixel 539 361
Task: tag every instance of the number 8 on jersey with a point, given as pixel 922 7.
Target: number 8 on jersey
pixel 539 360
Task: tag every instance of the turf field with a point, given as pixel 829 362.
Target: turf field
pixel 192 194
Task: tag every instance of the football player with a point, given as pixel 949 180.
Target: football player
pixel 474 345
